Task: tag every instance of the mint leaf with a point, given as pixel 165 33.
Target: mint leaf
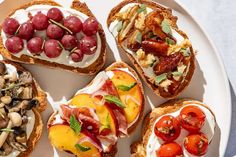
pixel 82 148
pixel 161 78
pixel 170 41
pixel 177 73
pixel 119 26
pixel 126 87
pixel 115 100
pixel 166 26
pixel 142 8
pixel 185 52
pixel 139 37
pixel 74 124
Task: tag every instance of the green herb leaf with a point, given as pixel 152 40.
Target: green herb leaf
pixel 7 130
pixel 185 52
pixel 142 8
pixel 161 78
pixel 166 26
pixel 74 124
pixel 170 41
pixel 139 37
pixel 126 87
pixel 115 100
pixel 82 148
pixel 119 26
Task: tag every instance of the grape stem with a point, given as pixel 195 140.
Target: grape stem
pixel 60 25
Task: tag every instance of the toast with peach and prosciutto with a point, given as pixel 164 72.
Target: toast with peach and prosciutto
pixel 148 34
pixel 109 108
pixel 22 101
pixel 46 33
pixel 182 127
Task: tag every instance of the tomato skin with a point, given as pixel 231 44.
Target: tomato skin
pixel 196 144
pixel 167 128
pixel 169 150
pixel 192 118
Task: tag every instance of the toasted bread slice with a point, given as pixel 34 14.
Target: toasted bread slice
pixel 138 149
pixel 140 64
pixel 24 58
pixel 38 94
pixel 112 68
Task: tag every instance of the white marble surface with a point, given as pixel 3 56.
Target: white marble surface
pixel 218 19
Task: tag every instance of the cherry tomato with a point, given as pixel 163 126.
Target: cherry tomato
pixel 167 128
pixel 169 150
pixel 192 118
pixel 196 144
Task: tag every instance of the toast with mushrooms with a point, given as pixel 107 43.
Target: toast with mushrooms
pixel 46 33
pixel 181 127
pixel 110 107
pixel 21 101
pixel 148 34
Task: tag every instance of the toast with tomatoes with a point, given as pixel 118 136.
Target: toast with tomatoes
pixel 57 37
pixel 22 101
pixel 148 34
pixel 169 126
pixel 108 108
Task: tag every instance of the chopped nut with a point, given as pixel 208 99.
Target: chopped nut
pixel 176 48
pixel 140 54
pixel 165 84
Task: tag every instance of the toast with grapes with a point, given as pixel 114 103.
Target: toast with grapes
pixel 148 34
pixel 45 33
pixel 108 108
pixel 181 127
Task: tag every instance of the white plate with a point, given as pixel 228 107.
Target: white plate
pixel 209 83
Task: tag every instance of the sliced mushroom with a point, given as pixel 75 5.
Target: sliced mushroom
pixel 3 122
pixel 2 68
pixel 21 138
pixel 18 146
pixel 16 92
pixel 6 99
pixel 11 77
pixel 15 118
pixel 25 78
pixel 27 93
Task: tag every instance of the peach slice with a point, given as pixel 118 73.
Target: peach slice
pixel 133 98
pixel 65 139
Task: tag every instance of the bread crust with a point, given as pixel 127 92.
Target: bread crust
pixel 91 69
pixel 40 95
pixel 138 149
pixel 173 20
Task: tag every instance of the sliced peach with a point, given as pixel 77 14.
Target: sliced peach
pixel 104 114
pixel 134 104
pixel 65 139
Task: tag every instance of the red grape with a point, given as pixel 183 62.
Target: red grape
pixel 14 44
pixel 88 45
pixel 69 42
pixel 26 31
pixel 40 21
pixel 54 31
pixel 73 23
pixel 34 45
pixel 90 26
pixel 10 26
pixel 52 48
pixel 77 55
pixel 55 14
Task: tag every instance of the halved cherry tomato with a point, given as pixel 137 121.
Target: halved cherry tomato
pixel 169 150
pixel 167 128
pixel 196 144
pixel 192 118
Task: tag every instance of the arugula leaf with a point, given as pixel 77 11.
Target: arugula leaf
pixel 170 41
pixel 165 26
pixel 82 148
pixel 74 124
pixel 119 26
pixel 126 87
pixel 6 130
pixel 142 8
pixel 115 100
pixel 161 78
pixel 185 52
pixel 139 37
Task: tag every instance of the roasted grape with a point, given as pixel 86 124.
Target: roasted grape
pixel 14 44
pixel 52 48
pixel 26 31
pixel 90 26
pixel 73 23
pixel 54 31
pixel 35 45
pixel 55 14
pixel 69 42
pixel 77 55
pixel 88 45
pixel 10 26
pixel 40 21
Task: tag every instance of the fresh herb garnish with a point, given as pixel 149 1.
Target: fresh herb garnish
pixel 166 26
pixel 119 26
pixel 115 100
pixel 185 52
pixel 11 86
pixel 139 37
pixel 170 41
pixel 82 148
pixel 74 124
pixel 6 130
pixel 161 78
pixel 142 8
pixel 126 87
